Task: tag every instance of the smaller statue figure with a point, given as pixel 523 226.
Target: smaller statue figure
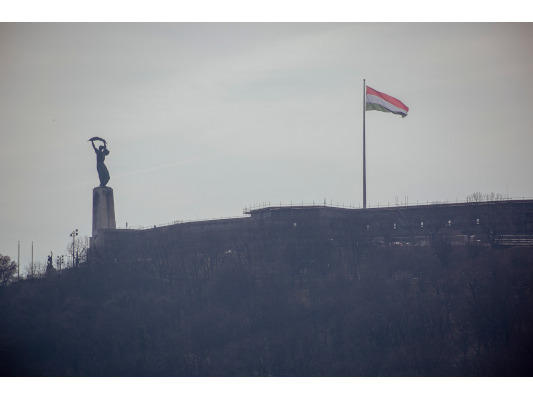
pixel 49 265
pixel 101 153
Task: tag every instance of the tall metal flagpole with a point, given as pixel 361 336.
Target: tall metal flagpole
pixel 364 144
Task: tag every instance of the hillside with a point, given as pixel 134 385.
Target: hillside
pixel 295 307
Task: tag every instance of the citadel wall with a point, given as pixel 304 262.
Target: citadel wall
pixel 487 223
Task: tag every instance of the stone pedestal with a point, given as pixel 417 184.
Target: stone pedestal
pixel 103 209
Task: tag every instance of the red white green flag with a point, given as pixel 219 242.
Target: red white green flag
pixel 383 102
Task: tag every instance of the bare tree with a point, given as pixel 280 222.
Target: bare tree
pixel 36 270
pixel 81 246
pixel 7 270
pixel 477 197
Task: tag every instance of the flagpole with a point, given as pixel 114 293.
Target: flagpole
pixel 364 144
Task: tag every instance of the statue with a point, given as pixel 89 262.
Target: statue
pixel 49 265
pixel 101 153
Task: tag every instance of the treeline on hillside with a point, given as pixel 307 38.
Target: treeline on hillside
pixel 313 311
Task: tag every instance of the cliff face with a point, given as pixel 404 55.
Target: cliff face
pixel 295 294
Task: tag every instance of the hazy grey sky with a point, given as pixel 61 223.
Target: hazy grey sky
pixel 205 119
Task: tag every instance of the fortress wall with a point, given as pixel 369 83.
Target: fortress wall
pixel 271 231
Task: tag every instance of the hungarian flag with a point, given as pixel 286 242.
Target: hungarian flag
pixel 383 102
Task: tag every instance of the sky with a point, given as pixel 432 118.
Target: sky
pixel 203 120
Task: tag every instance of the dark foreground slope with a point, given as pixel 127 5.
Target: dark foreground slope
pixel 388 311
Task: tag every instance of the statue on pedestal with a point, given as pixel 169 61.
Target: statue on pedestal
pixel 101 153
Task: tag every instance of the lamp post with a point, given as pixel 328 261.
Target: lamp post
pixel 73 234
pixel 60 261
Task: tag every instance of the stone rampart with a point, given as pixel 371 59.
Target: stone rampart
pixel 283 226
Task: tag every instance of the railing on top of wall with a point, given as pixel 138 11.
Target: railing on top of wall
pixel 378 204
pixel 179 221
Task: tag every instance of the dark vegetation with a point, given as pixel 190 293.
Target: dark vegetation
pixel 8 269
pixel 285 309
